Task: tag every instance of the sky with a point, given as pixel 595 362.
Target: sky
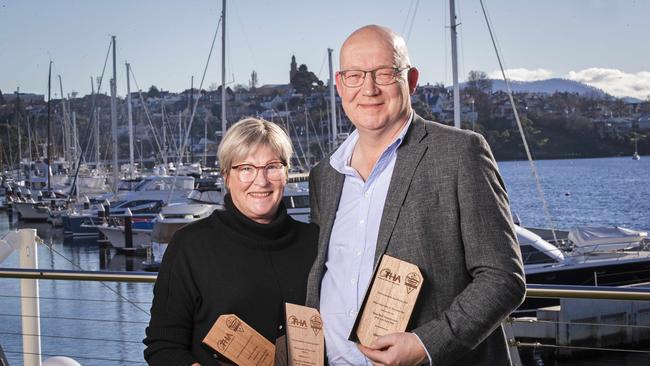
pixel 603 43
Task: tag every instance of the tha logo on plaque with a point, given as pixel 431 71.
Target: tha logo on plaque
pixel 241 344
pixel 389 302
pixel 305 340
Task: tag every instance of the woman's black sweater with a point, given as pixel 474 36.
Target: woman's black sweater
pixel 226 264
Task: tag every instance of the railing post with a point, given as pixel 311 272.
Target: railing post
pixel 513 349
pixel 29 300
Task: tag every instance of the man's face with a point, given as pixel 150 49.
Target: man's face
pixel 373 107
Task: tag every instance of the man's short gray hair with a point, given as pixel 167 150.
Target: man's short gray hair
pixel 247 135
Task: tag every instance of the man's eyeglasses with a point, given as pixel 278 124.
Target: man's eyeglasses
pixel 381 76
pixel 248 172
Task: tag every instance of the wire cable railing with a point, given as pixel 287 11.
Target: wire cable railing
pixel 136 326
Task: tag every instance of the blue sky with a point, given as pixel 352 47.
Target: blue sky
pixel 600 42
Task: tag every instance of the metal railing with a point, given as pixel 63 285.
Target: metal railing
pixel 533 291
pixel 53 274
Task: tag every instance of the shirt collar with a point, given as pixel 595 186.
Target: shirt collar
pixel 340 159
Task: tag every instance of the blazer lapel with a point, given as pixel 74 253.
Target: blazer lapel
pixel 331 187
pixel 408 158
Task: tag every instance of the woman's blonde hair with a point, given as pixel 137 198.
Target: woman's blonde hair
pixel 247 135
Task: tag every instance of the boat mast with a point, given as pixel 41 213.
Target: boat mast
pixel 114 119
pixel 181 142
pixel 66 127
pixel 189 120
pixel 164 130
pixel 130 114
pixel 205 140
pixel 96 127
pixel 308 155
pixel 49 127
pixel 224 124
pixel 29 141
pixel 454 62
pixel 75 151
pixel 20 145
pixel 332 101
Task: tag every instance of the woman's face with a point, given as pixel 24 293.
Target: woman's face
pixel 258 200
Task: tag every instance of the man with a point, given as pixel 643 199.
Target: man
pixel 419 191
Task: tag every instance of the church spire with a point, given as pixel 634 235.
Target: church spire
pixel 294 68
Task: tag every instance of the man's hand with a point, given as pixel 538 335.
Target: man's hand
pixel 403 349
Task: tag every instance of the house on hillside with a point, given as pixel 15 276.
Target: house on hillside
pixel 25 98
pixel 271 90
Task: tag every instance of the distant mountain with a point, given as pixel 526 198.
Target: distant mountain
pixel 549 86
pixel 631 100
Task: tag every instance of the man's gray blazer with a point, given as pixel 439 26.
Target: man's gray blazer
pixel 447 212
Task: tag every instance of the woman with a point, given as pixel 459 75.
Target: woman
pixel 248 259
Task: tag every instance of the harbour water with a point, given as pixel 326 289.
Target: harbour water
pixel 103 323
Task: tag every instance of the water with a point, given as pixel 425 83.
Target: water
pixel 88 321
pixel 611 191
pixel 594 192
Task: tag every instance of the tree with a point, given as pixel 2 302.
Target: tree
pixel 240 88
pixel 477 81
pixel 423 110
pixel 253 81
pixel 153 92
pixel 305 81
pixel 478 88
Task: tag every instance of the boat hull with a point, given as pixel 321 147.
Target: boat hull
pixel 29 211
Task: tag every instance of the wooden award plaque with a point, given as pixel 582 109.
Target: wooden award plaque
pixel 389 302
pixel 304 332
pixel 241 344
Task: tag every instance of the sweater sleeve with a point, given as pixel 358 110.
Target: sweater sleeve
pixel 169 334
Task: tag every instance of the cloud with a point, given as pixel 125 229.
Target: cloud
pixel 615 82
pixel 522 74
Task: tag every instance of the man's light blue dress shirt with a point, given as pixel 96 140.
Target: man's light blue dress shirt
pixel 351 252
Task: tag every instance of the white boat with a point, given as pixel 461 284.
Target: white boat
pixel 116 236
pixel 200 203
pixel 617 260
pixel 31 210
pixel 161 188
pixel 598 239
pixel 37 177
pixel 173 217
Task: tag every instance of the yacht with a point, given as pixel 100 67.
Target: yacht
pixel 199 203
pixel 611 256
pixel 296 200
pixel 145 200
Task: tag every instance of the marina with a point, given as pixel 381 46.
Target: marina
pixel 101 323
pixel 104 180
